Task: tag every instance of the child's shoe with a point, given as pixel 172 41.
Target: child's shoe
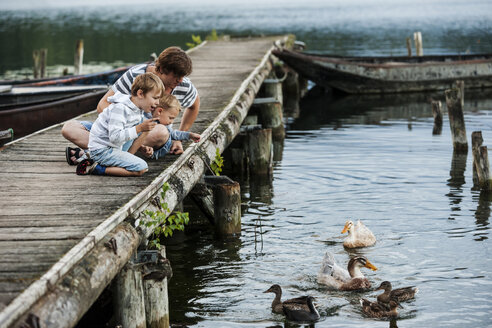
pixel 88 166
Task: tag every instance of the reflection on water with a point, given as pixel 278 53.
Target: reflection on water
pixel 356 158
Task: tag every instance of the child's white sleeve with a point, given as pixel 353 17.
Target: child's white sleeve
pixel 118 135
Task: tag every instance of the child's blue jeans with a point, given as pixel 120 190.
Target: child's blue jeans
pixel 112 157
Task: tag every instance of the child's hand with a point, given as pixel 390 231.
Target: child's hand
pixel 147 151
pixel 146 125
pixel 195 137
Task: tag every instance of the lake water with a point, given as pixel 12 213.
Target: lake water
pixel 350 158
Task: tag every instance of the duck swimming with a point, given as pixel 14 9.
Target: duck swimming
pixel 399 294
pixel 293 304
pixel 331 274
pixel 358 235
pixel 301 314
pixel 376 310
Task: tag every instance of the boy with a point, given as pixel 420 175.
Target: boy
pixel 167 110
pixel 118 124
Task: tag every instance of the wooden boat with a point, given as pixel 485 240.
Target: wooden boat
pixel 28 119
pixel 358 75
pixel 6 136
pixel 19 96
pixel 108 77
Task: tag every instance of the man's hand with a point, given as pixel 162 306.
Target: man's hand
pixel 147 151
pixel 176 148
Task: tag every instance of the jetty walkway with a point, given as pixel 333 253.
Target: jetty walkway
pixel 64 237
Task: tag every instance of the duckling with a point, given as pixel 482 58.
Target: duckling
pixel 399 294
pixel 358 235
pixel 331 274
pixel 299 303
pixel 376 310
pixel 298 314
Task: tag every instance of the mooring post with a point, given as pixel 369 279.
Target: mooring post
pixel 260 151
pixel 409 47
pixel 460 85
pixel 129 297
pixel 477 141
pixel 437 112
pixel 227 205
pixel 419 49
pixel 156 272
pixel 456 120
pixel 235 158
pixel 79 57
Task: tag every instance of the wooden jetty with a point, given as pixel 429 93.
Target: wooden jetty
pixel 64 237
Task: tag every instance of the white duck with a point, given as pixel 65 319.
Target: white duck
pixel 332 275
pixel 358 235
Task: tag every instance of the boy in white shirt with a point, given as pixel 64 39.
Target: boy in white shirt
pixel 120 123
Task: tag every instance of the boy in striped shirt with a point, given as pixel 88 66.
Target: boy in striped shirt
pixel 118 124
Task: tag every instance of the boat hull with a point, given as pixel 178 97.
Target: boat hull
pixel 28 119
pixel 390 75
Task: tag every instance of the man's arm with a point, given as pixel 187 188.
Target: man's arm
pixel 189 115
pixel 103 103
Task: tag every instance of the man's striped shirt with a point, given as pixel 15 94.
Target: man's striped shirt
pixel 185 92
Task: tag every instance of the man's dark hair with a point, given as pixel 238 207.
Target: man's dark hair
pixel 174 60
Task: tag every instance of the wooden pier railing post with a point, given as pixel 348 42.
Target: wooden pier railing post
pixel 79 57
pixel 437 112
pixel 270 114
pixel 155 278
pixel 227 205
pixel 129 297
pixel 273 89
pixel 260 151
pixel 456 120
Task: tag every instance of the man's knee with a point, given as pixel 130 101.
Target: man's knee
pixel 157 137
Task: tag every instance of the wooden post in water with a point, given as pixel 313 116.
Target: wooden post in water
pixel 460 85
pixel 419 49
pixel 456 120
pixel 155 291
pixel 291 93
pixel 260 151
pixel 409 47
pixel 227 205
pixel 39 57
pixel 484 172
pixel 437 112
pixel 79 57
pixel 129 297
pixel 477 141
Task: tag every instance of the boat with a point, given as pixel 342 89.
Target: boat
pixel 25 120
pixel 107 77
pixel 6 136
pixel 20 96
pixel 361 75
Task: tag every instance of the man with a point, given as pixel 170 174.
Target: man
pixel 172 66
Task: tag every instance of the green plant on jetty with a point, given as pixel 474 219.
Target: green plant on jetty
pixel 217 163
pixel 163 223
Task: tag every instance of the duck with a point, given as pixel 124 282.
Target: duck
pixel 358 235
pixel 299 303
pixel 332 275
pixel 300 314
pixel 376 310
pixel 400 294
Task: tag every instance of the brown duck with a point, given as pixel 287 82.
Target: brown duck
pixel 398 295
pixel 294 304
pixel 332 275
pixel 376 310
